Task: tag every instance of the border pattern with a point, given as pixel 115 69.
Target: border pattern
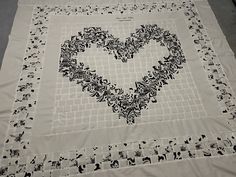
pixel 16 162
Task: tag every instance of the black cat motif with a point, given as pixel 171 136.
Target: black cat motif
pixel 126 105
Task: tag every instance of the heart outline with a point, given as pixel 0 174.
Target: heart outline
pixel 126 105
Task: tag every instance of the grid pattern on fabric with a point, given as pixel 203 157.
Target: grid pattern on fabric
pixel 76 110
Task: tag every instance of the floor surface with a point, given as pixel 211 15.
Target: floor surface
pixel 225 12
pixel 7 14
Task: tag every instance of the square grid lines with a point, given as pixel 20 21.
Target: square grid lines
pixel 76 110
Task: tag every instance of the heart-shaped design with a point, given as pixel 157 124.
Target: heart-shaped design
pixel 126 105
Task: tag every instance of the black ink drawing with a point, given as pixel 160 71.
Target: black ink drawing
pixel 128 106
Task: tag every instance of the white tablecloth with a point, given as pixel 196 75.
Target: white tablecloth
pixel 117 88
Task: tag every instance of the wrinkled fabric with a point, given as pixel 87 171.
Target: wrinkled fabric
pixel 117 90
